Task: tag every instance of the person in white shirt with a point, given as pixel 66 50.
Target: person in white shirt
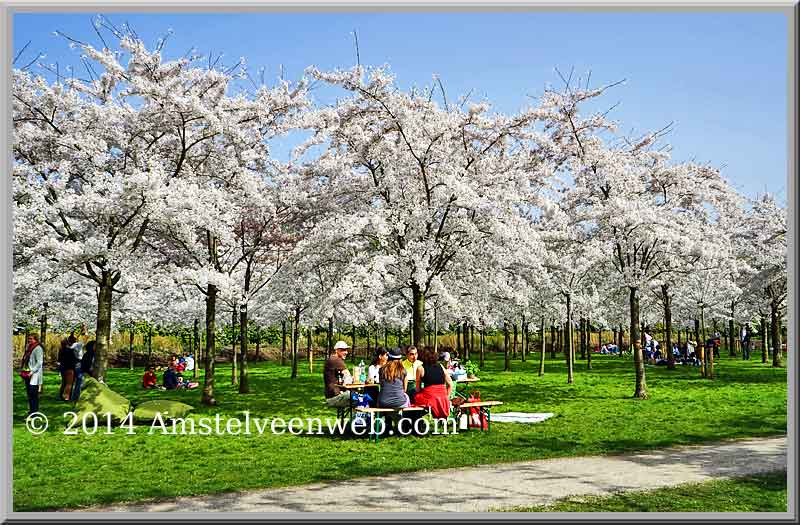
pixel 189 361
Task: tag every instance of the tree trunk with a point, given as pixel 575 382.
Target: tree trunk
pixel 638 357
pixel 130 347
pixel 467 341
pixel 418 314
pixel 568 340
pixel 775 325
pixel 258 344
pixel 481 350
pixel 436 331
pixel 295 341
pixel 525 338
pixel 355 350
pixel 732 332
pixel 43 327
pixel 103 330
pixel 506 353
pixel 310 351
pixel 589 345
pixel 701 344
pixel 515 340
pixel 211 330
pixel 582 337
pixel 543 348
pixel 195 335
pixel 668 326
pixel 283 342
pixel 244 343
pixel 234 323
pixel 763 338
pixel 330 336
pixel 458 338
pixel 149 344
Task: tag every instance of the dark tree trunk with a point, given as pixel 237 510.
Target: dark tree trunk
pixel 355 350
pixel 525 338
pixel 458 338
pixel 296 341
pixel 195 345
pixel 310 351
pixel 732 333
pixel 131 333
pixel 506 349
pixel 568 340
pixel 588 345
pixel 543 349
pixel 467 341
pixel 283 342
pixel 244 343
pixel 668 325
pixel 210 354
pixel 481 350
pixel 330 336
pixel 149 344
pixel 234 323
pixel 775 325
pixel 418 315
pixel 764 346
pixel 515 340
pixel 103 329
pixel 43 328
pixel 638 358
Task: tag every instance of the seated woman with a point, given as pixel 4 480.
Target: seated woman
pixel 149 379
pixel 393 381
pixel 373 375
pixel 434 386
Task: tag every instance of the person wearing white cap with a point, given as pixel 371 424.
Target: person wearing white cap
pixel 335 396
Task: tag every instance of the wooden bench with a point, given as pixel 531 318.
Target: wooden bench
pixel 378 413
pixel 484 409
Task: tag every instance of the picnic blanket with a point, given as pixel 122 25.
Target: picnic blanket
pixel 519 417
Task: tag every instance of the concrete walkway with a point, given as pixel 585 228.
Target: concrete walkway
pixel 491 487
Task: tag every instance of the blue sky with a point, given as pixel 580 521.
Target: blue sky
pixel 720 77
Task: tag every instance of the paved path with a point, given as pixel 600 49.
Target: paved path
pixel 480 489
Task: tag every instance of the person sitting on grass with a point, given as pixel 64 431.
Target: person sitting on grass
pixel 149 379
pixel 434 386
pixel 170 378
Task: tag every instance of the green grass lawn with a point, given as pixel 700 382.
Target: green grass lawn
pixel 760 493
pixel 595 415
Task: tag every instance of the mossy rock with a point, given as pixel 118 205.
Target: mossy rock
pixel 146 412
pixel 100 399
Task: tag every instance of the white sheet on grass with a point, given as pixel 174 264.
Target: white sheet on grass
pixel 519 417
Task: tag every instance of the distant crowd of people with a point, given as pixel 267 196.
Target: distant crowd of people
pixel 172 377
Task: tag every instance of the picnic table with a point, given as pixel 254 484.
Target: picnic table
pixel 463 380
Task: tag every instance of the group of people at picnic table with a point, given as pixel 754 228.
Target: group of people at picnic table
pixel 172 377
pixel 393 380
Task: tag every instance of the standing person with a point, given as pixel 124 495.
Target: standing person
pixel 745 339
pixel 68 366
pixel 66 361
pixel 335 370
pixel 85 368
pixel 32 371
pixel 189 360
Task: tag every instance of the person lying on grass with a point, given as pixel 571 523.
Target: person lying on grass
pixel 185 383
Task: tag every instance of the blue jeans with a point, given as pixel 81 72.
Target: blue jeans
pixel 76 385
